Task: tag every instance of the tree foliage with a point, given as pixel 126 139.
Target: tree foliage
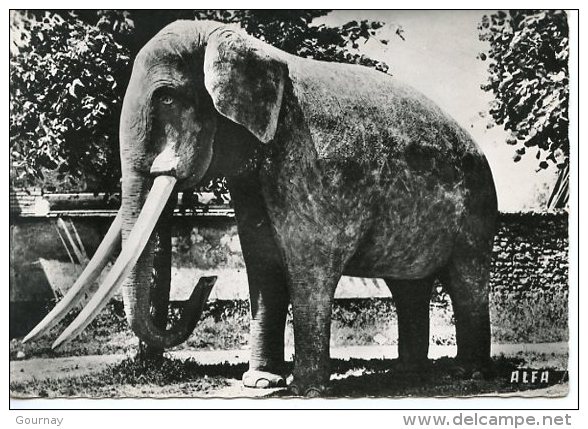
pixel 528 76
pixel 64 97
pixel 69 71
pixel 291 31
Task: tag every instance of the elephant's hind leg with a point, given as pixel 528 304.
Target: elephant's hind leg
pixel 412 298
pixel 467 279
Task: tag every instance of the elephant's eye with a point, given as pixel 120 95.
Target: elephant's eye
pixel 166 100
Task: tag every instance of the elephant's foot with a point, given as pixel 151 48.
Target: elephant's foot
pixel 474 370
pixel 412 365
pixel 262 379
pixel 308 391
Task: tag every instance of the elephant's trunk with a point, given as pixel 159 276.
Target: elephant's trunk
pixel 137 292
pixel 137 286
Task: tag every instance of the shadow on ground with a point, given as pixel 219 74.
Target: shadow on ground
pixel 357 378
pixel 385 378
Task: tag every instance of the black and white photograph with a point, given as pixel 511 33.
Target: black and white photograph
pixel 292 203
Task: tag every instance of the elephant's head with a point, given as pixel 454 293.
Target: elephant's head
pixel 189 80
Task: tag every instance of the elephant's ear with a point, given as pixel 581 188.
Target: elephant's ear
pixel 245 81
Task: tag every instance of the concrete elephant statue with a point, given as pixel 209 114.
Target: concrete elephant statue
pixel 333 169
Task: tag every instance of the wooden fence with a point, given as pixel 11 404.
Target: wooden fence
pixel 36 204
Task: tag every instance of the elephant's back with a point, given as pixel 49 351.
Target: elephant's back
pixel 354 112
pixel 358 116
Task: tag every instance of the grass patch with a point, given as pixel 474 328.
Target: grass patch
pixel 521 317
pixel 536 316
pixel 352 378
pixel 134 378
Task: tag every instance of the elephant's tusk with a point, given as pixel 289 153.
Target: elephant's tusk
pixel 83 283
pixel 131 251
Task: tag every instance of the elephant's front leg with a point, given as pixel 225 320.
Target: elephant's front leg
pixel 268 291
pixel 269 305
pixel 312 290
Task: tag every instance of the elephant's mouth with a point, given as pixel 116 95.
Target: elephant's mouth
pixel 130 253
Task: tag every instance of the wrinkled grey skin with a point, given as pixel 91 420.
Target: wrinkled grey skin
pixel 333 169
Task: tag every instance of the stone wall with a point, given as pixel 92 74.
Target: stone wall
pixel 531 253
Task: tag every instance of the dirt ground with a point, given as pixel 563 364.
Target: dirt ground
pixel 358 371
pixel 363 349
